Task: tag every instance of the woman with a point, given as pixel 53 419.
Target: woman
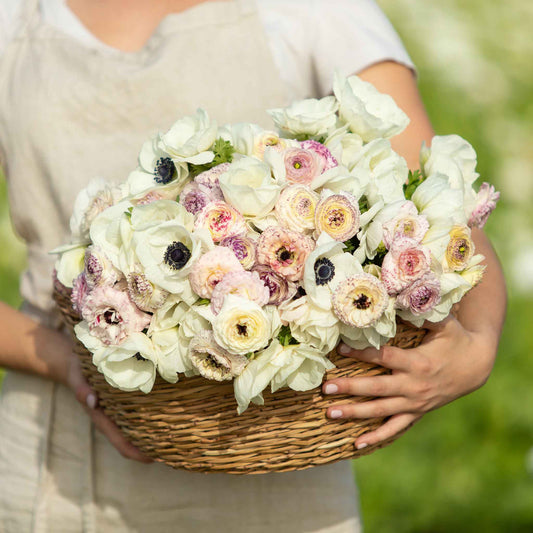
pixel 82 85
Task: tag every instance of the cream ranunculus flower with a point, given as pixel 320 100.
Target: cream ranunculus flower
pixel 368 112
pixel 248 186
pixel 167 354
pixel 242 326
pixel 190 139
pixel 310 324
pixel 111 231
pixel 306 118
pixel 299 366
pixel 70 263
pixel 212 361
pixel 90 202
pixel 155 213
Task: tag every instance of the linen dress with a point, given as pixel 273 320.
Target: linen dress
pixel 68 113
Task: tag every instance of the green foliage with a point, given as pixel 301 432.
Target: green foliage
pixel 203 301
pixel 223 150
pixel 351 244
pixel 414 180
pixel 285 337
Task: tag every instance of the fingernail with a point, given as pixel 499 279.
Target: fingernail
pixel 344 349
pixel 331 388
pixel 91 400
pixel 336 413
pixel 362 445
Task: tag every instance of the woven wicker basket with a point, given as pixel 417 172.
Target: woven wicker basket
pixel 194 424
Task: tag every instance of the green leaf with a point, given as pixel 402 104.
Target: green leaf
pixel 352 244
pixel 203 301
pixel 285 337
pixel 223 150
pixel 413 181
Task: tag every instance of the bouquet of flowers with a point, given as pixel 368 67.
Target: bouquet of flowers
pixel 237 253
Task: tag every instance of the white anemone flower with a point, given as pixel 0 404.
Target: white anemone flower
pixel 167 253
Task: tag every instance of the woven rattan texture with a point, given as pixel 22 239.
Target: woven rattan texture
pixel 194 424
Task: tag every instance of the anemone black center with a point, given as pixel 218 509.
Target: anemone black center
pixel 324 271
pixel 177 255
pixel 164 170
pixel 362 302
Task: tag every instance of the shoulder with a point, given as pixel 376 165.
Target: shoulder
pixel 344 35
pixel 10 19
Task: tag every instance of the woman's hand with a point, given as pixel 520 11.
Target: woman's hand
pixel 450 363
pixel 88 399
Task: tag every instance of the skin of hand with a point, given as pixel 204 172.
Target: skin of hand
pixel 46 352
pixel 457 355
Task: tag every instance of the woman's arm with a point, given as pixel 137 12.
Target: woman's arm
pixel 457 355
pixel 27 346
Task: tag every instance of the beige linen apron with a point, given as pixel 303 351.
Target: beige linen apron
pixel 68 113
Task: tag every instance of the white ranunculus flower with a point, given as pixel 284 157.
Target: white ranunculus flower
pixel 368 112
pixel 155 213
pixel 241 136
pixel 111 231
pixel 437 201
pixel 242 326
pixel 311 324
pixel 167 253
pixel 382 170
pixel 168 360
pixel 129 366
pixel 90 202
pixel 451 156
pixel 306 118
pixel 376 335
pixel 190 139
pixel 300 367
pixel 248 186
pixel 70 263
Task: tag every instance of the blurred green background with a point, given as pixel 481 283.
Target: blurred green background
pixel 467 467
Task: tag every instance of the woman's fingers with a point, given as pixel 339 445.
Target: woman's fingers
pixel 392 427
pixel 386 385
pixel 371 409
pixel 387 356
pixel 115 437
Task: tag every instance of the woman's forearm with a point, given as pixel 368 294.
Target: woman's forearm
pixel 30 347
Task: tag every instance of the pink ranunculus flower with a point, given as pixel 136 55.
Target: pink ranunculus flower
pixel 323 152
pixel 485 204
pixel 285 251
pixel 98 268
pixel 421 296
pixel 302 166
pixel 280 289
pixel 407 223
pixel 222 220
pixel 208 181
pixel 406 262
pixel 112 316
pixel 209 270
pixel 194 198
pixel 243 247
pixel 244 284
pixel 80 290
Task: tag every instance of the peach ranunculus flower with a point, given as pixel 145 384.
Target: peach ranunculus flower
pixel 285 251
